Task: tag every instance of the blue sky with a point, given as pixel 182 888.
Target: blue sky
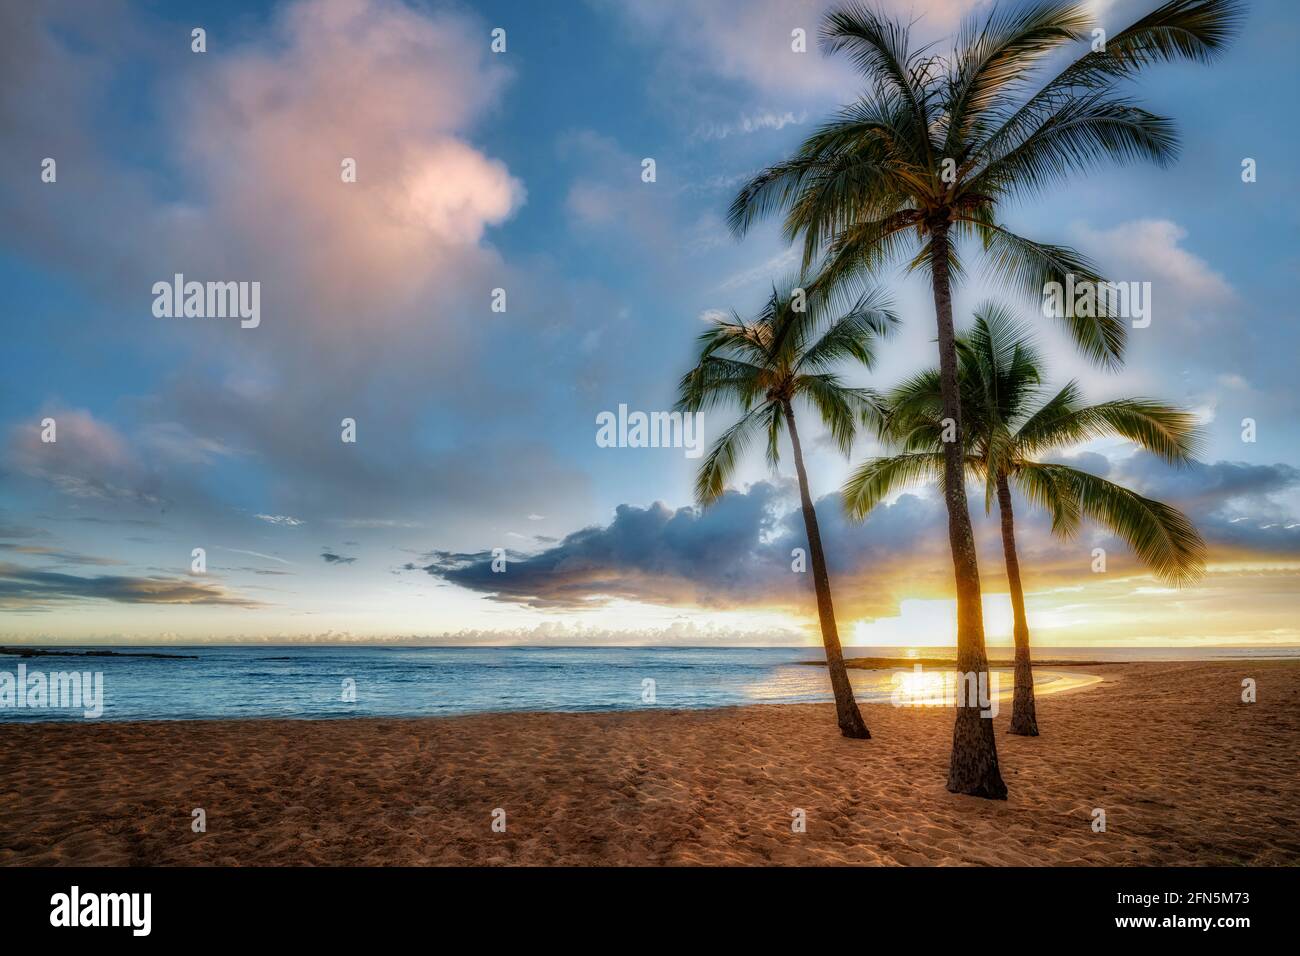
pixel 522 171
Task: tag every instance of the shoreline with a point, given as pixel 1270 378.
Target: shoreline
pixel 1186 773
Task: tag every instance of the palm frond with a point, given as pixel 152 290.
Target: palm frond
pixel 720 463
pixel 770 191
pixel 1032 266
pixel 774 425
pixel 788 351
pixel 1033 433
pixel 853 335
pixel 1164 430
pixel 1159 534
pixel 1000 363
pixel 1046 488
pixel 866 169
pixel 877 478
pixel 880 47
pixel 920 395
pixel 837 410
pixel 718 381
pixel 866 248
pixel 1193 30
pixel 994 55
pixel 1082 133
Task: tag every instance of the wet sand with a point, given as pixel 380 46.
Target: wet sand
pixel 1186 774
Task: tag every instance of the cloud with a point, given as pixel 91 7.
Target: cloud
pixel 735 554
pixel 653 553
pixel 768 272
pixel 254 554
pixel 54 65
pixel 750 123
pixel 24 588
pixel 251 137
pixel 681 633
pixel 94 466
pixel 738 553
pixel 266 572
pixel 372 292
pixel 608 196
pixel 268 127
pixel 749 41
pixel 57 554
pixel 331 558
pixel 1205 485
pixel 21 531
pixel 1184 288
pixel 286 521
pixel 1239 508
pixel 89 459
pixel 174 442
pixel 375 523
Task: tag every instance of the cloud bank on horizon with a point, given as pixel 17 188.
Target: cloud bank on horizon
pixel 739 552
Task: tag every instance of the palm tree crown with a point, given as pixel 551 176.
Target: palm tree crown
pixel 939 143
pixel 788 352
pixel 1009 426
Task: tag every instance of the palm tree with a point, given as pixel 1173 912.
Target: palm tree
pixel 1007 431
pixel 928 156
pixel 785 354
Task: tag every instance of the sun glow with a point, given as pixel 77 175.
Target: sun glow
pixel 923 623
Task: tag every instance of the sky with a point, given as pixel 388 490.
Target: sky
pixel 476 428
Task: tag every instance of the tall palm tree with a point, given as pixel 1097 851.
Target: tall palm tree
pixel 1008 429
pixel 928 156
pixel 786 355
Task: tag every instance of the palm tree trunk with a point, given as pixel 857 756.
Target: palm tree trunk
pixel 846 707
pixel 973 768
pixel 1023 719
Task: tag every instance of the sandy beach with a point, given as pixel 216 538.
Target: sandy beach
pixel 1186 773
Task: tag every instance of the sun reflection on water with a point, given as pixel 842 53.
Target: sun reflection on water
pixel 929 688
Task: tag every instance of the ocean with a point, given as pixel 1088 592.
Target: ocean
pixel 405 681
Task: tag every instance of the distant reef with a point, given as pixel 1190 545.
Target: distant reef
pixel 54 652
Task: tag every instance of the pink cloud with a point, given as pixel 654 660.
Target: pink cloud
pixel 267 128
pixel 87 459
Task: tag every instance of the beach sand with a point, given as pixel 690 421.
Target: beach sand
pixel 1186 773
